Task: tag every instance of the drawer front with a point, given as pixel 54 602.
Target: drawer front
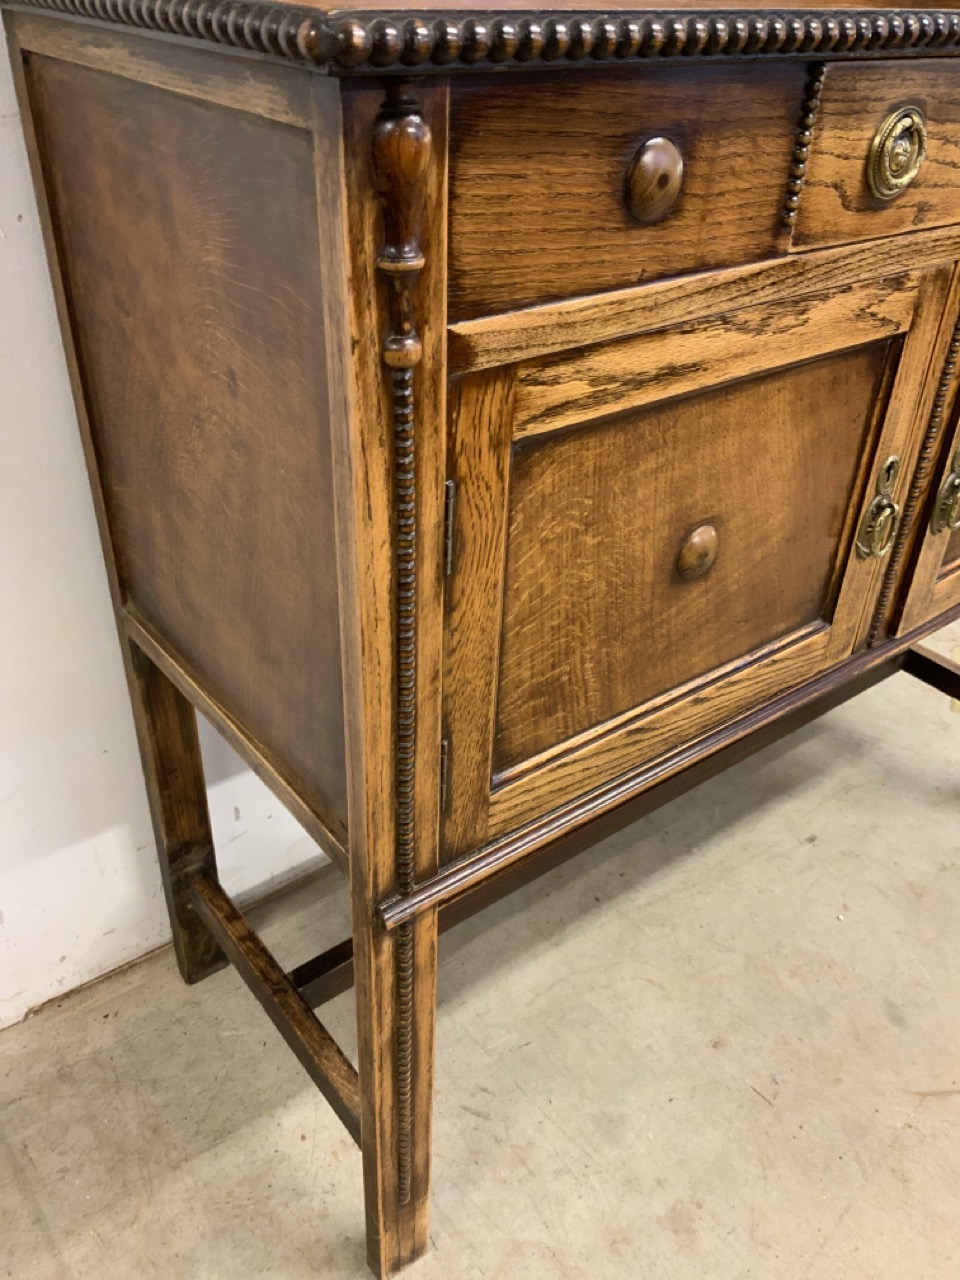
pixel 542 171
pixel 657 534
pixel 838 203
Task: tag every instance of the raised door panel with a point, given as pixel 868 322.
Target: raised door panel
pixel 656 535
pixel 598 615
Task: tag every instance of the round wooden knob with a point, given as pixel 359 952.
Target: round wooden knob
pixel 697 553
pixel 653 181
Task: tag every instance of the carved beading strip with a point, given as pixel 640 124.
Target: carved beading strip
pixel 801 146
pixel 434 39
pixel 401 149
pixel 917 487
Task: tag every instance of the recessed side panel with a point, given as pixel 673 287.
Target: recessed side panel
pixel 189 245
pixel 652 549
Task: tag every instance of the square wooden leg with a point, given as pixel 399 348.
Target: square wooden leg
pixel 173 770
pixel 396 984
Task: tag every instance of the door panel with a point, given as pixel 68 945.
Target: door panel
pixel 934 585
pixel 656 535
pixel 597 616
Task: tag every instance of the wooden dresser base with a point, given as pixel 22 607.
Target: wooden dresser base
pixel 208 928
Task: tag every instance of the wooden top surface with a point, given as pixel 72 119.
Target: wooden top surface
pixel 403 37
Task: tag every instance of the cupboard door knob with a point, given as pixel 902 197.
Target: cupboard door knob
pixel 880 522
pixel 897 152
pixel 698 553
pixel 946 510
pixel 653 180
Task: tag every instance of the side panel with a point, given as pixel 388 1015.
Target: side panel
pixel 188 238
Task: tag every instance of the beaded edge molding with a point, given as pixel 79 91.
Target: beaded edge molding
pixel 801 146
pixel 431 40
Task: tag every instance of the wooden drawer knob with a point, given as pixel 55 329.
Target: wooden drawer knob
pixel 698 553
pixel 897 152
pixel 653 181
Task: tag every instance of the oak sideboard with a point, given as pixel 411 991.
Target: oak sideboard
pixel 498 421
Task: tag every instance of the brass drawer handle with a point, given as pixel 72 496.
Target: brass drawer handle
pixel 698 553
pixel 653 181
pixel 880 522
pixel 946 510
pixel 897 152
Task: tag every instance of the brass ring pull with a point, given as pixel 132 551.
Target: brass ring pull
pixel 880 522
pixel 897 152
pixel 653 181
pixel 946 510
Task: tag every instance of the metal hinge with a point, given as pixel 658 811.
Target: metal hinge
pixel 449 506
pixel 444 771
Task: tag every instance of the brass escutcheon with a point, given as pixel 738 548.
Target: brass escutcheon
pixel 897 152
pixel 880 522
pixel 946 509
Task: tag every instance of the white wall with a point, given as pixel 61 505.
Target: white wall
pixel 79 888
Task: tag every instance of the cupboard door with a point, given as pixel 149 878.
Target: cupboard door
pixel 934 584
pixel 655 535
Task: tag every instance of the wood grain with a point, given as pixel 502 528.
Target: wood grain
pixel 173 771
pixel 268 770
pixel 397 1229
pixel 596 807
pixel 318 1053
pixel 836 203
pixel 562 390
pixel 275 93
pixel 911 592
pixel 558 326
pixel 596 618
pixel 537 174
pixel 482 409
pixel 202 352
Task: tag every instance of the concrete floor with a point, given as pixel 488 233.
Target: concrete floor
pixel 724 1043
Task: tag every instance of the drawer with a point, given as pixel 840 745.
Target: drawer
pixel 539 175
pixel 837 203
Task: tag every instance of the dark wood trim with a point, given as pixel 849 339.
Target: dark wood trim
pixel 322 977
pixel 492 859
pixel 801 146
pixel 319 1054
pixel 939 672
pixel 402 143
pixel 246 747
pixel 451 39
pixel 166 726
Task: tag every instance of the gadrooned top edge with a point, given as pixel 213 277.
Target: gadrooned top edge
pixel 357 40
